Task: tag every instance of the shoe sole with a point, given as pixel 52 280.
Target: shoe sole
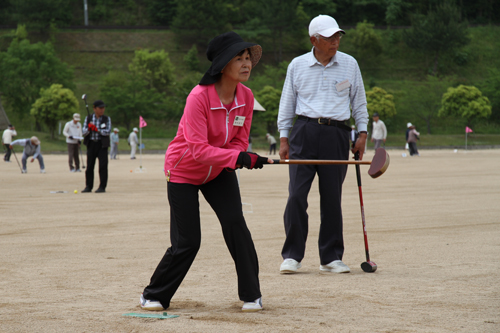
pixel 329 270
pixel 152 308
pixel 251 310
pixel 287 271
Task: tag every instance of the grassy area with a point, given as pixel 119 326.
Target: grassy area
pixel 58 145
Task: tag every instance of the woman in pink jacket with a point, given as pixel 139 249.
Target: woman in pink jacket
pixel 210 143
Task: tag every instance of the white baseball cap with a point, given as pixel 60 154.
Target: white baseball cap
pixel 324 25
pixel 409 125
pixel 135 129
pixel 76 116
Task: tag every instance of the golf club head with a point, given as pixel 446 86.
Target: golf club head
pixel 369 266
pixel 379 164
pixel 84 97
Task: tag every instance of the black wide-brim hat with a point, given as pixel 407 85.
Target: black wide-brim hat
pixel 222 49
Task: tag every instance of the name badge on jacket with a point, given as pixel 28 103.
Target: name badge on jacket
pixel 239 121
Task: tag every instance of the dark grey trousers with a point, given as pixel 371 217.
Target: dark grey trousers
pixel 310 140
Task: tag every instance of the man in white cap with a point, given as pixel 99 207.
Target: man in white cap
pixel 115 139
pixel 31 148
pixel 321 88
pixel 133 142
pixel 73 133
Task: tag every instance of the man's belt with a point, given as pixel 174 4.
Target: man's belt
pixel 328 122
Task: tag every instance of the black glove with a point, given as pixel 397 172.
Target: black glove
pixel 251 160
pixel 71 137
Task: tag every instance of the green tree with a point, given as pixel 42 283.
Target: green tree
pixel 129 96
pixel 25 68
pixel 153 67
pixel 439 32
pixel 366 41
pixel 466 102
pixel 162 12
pixel 315 7
pixel 202 20
pixel 276 22
pixel 378 100
pixel 55 103
pixel 424 98
pixel 191 59
pixel 491 89
pixel 39 14
pixel 269 98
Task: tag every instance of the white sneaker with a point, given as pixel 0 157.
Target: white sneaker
pixel 24 171
pixel 151 305
pixel 252 306
pixel 289 266
pixel 336 266
pixel 42 171
pixel 72 170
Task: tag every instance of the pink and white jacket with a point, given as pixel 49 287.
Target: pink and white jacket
pixel 207 140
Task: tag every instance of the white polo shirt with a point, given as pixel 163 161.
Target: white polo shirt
pixel 316 91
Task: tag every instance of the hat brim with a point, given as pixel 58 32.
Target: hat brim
pixel 330 32
pixel 213 74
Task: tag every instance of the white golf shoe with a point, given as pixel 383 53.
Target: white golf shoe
pixel 252 306
pixel 151 305
pixel 336 266
pixel 290 266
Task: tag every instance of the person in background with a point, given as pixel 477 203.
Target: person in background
pixel 133 142
pixel 73 133
pixel 249 149
pixel 413 136
pixel 407 147
pixel 31 149
pixel 321 88
pixel 7 140
pixel 96 130
pixel 210 143
pixel 272 144
pixel 379 134
pixel 114 143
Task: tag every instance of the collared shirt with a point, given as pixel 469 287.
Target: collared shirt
pixel 72 129
pixel 103 130
pixel 29 148
pixel 316 91
pixel 7 135
pixel 114 137
pixel 379 130
pixel 132 139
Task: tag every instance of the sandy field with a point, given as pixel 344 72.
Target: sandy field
pixel 78 262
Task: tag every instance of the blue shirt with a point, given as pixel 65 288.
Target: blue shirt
pixel 317 91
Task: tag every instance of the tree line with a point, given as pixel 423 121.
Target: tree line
pixel 31 73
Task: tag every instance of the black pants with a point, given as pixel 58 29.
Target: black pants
pixel 413 148
pixel 272 149
pixel 96 151
pixel 310 140
pixel 223 195
pixel 73 156
pixel 7 154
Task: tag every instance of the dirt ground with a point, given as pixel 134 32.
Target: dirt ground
pixel 78 262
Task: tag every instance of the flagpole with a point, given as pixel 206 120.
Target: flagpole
pixel 140 146
pixel 466 140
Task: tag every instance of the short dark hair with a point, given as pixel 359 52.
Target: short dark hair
pixel 243 51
